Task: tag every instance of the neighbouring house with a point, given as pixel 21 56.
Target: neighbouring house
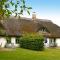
pixel 14 27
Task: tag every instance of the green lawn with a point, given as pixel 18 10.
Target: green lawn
pixel 24 54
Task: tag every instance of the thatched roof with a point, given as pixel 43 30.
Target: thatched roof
pixel 15 27
pixel 12 27
pixel 1 26
pixel 53 29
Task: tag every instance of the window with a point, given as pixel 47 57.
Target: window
pixel 17 40
pixel 45 40
pixel 8 39
pixel 51 41
pixel 43 29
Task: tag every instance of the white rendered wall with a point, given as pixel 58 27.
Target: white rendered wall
pixel 2 42
pixel 58 42
pixel 13 41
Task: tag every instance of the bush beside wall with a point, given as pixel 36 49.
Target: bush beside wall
pixel 32 41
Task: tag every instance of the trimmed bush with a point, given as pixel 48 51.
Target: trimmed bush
pixel 32 41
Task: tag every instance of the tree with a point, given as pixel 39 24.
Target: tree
pixel 8 7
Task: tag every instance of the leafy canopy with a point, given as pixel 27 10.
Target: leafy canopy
pixel 8 7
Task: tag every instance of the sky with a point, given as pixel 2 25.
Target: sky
pixel 45 9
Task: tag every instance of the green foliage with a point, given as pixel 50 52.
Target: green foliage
pixel 32 41
pixel 5 6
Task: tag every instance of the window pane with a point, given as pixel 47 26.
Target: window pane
pixel 8 39
pixel 17 40
pixel 45 41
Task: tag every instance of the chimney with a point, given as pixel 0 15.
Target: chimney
pixel 34 16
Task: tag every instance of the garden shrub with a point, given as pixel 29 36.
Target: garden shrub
pixel 32 41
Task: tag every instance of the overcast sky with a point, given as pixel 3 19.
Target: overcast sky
pixel 45 9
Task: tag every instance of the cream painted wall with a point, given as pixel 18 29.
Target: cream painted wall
pixel 2 42
pixel 13 41
pixel 58 42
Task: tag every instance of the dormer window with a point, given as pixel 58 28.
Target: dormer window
pixel 43 29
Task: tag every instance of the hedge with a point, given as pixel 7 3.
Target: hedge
pixel 32 41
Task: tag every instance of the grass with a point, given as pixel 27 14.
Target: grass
pixel 24 54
